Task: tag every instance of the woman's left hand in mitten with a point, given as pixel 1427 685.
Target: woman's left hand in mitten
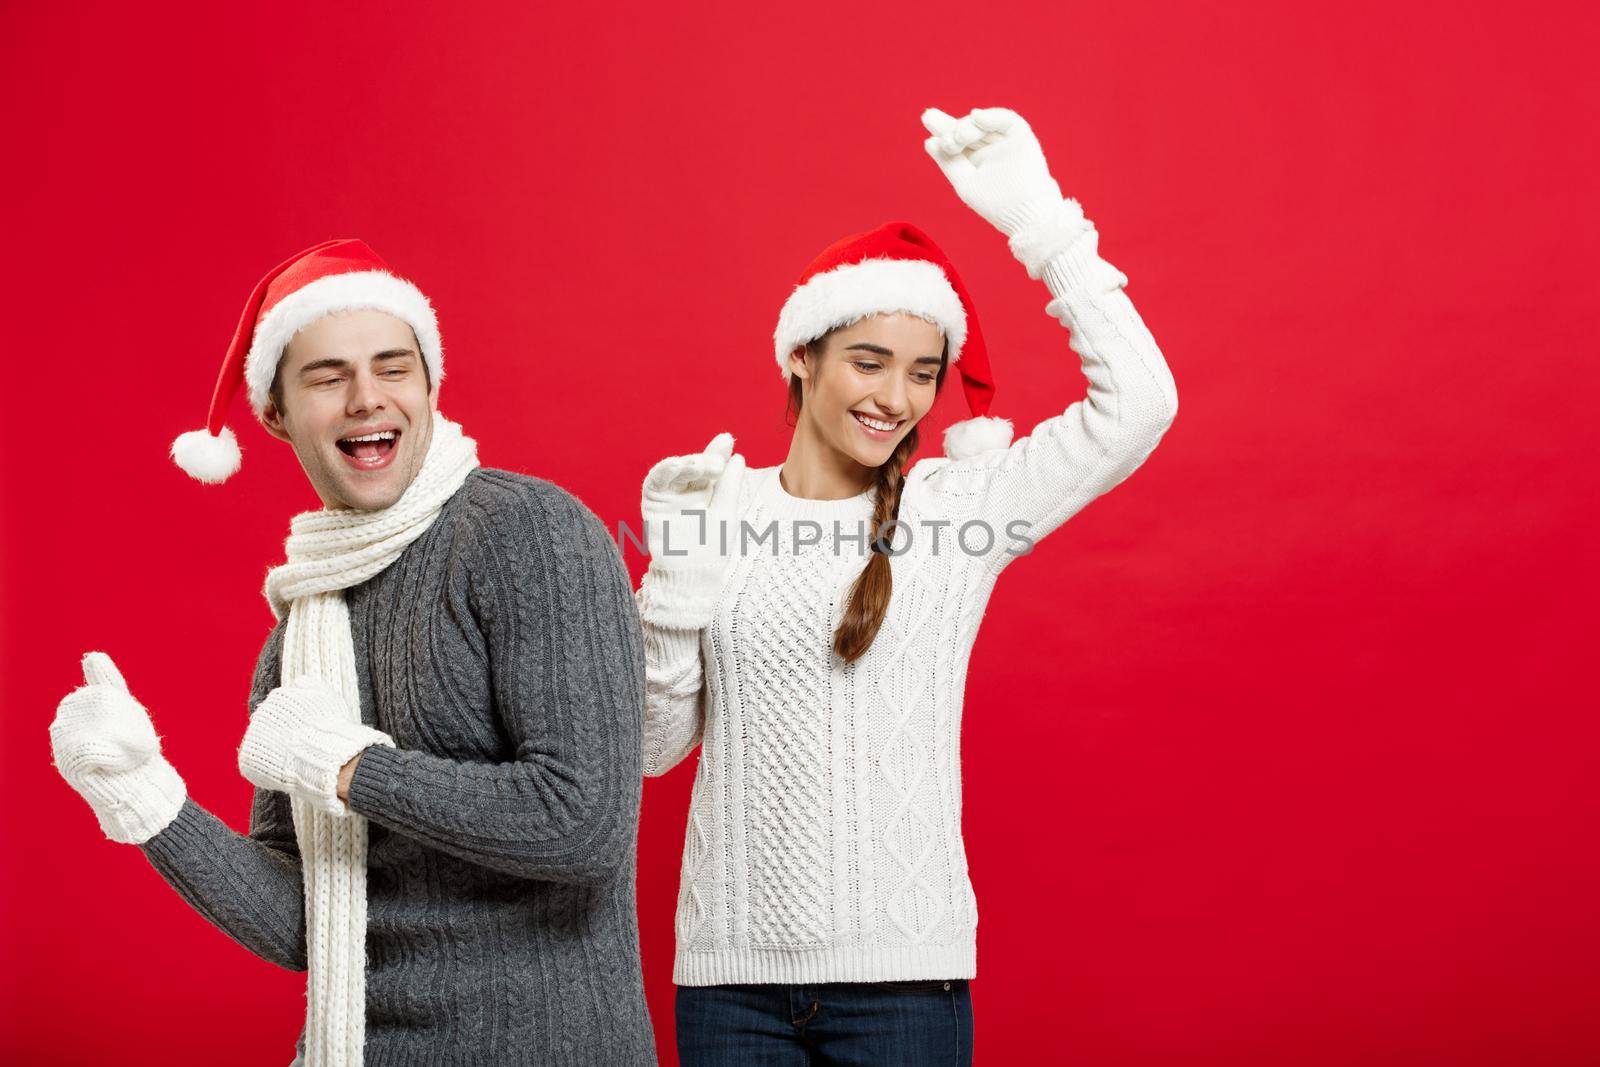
pixel 993 161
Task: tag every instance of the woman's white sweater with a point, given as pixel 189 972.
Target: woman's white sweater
pixel 824 833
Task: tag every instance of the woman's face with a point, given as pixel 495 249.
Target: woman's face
pixel 871 383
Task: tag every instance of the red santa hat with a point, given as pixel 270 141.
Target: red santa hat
pixel 897 267
pixel 333 276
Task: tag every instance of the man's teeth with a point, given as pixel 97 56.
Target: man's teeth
pixel 386 435
pixel 874 423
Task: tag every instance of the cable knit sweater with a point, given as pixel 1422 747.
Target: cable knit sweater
pixel 824 833
pixel 503 656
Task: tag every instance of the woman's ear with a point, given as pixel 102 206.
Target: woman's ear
pixel 798 366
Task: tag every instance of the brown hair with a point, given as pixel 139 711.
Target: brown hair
pixel 869 596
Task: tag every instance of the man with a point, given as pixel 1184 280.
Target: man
pixel 445 721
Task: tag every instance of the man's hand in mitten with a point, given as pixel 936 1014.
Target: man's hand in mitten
pixel 106 747
pixel 300 737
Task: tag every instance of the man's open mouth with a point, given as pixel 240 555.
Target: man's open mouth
pixel 370 451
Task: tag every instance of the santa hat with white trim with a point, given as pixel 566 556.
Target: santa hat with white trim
pixel 897 267
pixel 342 275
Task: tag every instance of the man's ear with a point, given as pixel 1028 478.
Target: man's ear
pixel 272 421
pixel 797 363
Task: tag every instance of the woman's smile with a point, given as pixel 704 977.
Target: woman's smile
pixel 876 429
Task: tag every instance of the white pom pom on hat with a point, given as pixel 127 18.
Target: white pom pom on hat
pixel 973 437
pixel 897 267
pixel 339 275
pixel 207 458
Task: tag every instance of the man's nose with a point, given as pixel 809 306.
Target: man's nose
pixel 365 394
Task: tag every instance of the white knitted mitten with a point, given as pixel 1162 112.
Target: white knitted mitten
pixel 298 740
pixel 688 511
pixel 106 747
pixel 996 166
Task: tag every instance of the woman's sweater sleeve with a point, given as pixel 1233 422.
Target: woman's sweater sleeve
pixel 674 696
pixel 249 887
pixel 565 666
pixel 1028 490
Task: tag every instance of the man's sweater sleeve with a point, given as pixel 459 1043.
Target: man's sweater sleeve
pixel 552 598
pixel 1068 460
pixel 249 887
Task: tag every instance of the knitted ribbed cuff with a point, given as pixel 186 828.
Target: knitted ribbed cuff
pixel 682 596
pixel 134 806
pixel 323 754
pixel 1020 195
pixel 1046 230
pixel 674 679
pixel 666 645
pixel 1079 269
pixel 376 776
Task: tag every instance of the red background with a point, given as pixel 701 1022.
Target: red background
pixel 1279 754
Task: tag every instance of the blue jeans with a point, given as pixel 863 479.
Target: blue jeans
pixel 837 1024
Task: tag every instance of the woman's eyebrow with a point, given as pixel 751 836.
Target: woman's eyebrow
pixel 879 350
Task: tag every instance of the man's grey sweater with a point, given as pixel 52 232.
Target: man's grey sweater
pixel 502 653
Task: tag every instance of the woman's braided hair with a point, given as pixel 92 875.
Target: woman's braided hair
pixel 868 601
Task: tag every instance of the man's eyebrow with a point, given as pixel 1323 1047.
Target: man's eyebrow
pixel 335 362
pixel 323 364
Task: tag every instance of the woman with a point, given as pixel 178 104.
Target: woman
pixel 809 625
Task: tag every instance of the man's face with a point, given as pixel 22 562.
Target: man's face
pixel 347 376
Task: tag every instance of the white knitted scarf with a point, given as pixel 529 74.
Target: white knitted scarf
pixel 329 551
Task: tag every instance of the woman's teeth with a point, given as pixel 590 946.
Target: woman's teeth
pixel 875 424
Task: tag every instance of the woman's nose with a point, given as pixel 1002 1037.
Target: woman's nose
pixel 891 400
